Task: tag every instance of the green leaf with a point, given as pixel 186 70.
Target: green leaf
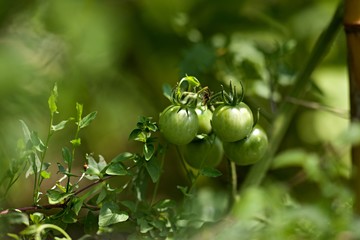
pixel 144 225
pixel 130 205
pixel 210 172
pixel 164 205
pixel 66 154
pixel 149 150
pixel 36 217
pixel 122 157
pixel 76 142
pixel 69 216
pixel 16 218
pixel 59 126
pixel 117 169
pixel 79 112
pixel 56 197
pixel 184 190
pixel 77 204
pixel 36 141
pixel 26 131
pixel 93 168
pixel 45 174
pixel 134 135
pixel 91 223
pixel 52 100
pixel 101 196
pixel 111 214
pixel 167 91
pixel 153 168
pixel 87 119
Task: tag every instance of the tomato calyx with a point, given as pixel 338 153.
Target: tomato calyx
pixel 230 98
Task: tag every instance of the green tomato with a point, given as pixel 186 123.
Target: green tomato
pixel 232 123
pixel 249 150
pixel 205 117
pixel 202 153
pixel 178 125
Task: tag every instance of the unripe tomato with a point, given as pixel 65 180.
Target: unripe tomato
pixel 249 150
pixel 178 125
pixel 232 123
pixel 202 153
pixel 205 117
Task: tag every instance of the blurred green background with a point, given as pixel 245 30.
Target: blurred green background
pixel 114 56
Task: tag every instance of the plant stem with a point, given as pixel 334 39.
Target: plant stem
pixel 287 110
pixel 233 181
pixel 158 181
pixel 38 176
pixel 352 30
pixel 52 226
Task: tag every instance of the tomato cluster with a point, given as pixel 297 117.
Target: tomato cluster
pixel 207 127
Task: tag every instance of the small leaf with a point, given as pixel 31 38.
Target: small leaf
pixel 45 174
pixel 52 100
pixel 130 205
pixel 184 191
pixel 149 151
pixel 59 126
pixel 111 214
pixel 17 218
pixel 56 197
pixel 144 225
pixel 26 131
pixel 87 119
pixel 37 143
pixel 66 154
pixel 122 157
pixel 92 166
pixel 69 216
pixel 164 205
pixel 210 172
pixel 135 134
pixel 76 142
pixel 167 91
pixel 153 168
pixel 36 217
pixel 101 196
pixel 79 111
pixel 117 169
pixel 77 205
pixel 102 164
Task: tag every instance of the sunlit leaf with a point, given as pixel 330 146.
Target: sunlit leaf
pixel 111 214
pixel 52 100
pixel 149 150
pixel 87 119
pixel 117 169
pixel 122 157
pixel 61 125
pixel 56 197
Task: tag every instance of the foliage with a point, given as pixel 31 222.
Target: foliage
pixel 145 188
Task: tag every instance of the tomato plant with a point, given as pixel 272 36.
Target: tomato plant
pixel 204 117
pixel 249 150
pixel 232 123
pixel 207 152
pixel 178 125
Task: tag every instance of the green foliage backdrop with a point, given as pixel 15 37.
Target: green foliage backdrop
pixel 114 57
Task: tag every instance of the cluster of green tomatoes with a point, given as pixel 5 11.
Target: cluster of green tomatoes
pixel 206 126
